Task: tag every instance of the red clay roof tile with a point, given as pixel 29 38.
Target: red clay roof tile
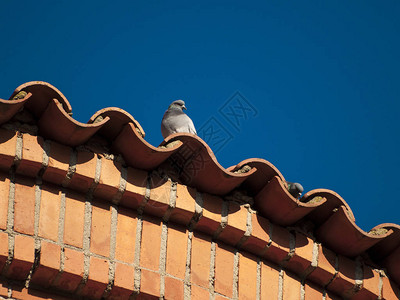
pixel 189 160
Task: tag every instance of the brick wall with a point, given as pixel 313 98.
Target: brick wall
pixel 77 222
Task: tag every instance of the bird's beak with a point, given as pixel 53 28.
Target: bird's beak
pixel 184 107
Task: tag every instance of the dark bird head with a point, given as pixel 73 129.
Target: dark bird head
pixel 295 189
pixel 178 104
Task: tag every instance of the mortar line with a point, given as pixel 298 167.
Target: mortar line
pixel 249 228
pixel 122 186
pixel 18 151
pixel 38 196
pixel 162 258
pixel 45 158
pixel 138 245
pixel 71 167
pixel 212 270
pixel 302 289
pixel 258 291
pixel 187 287
pixel 224 219
pixel 113 239
pixel 380 284
pixel 235 285
pixel 172 201
pixel 314 261
pixel 146 198
pixel 10 222
pixel 11 199
pixel 280 284
pixel 61 219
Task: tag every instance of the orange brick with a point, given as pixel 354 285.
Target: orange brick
pixel 24 205
pixel 73 270
pixel 389 289
pixel 259 236
pixel 236 227
pixel 173 289
pixel 49 212
pixel 98 278
pixel 176 251
pixel 4 193
pixel 185 205
pixel 49 264
pixel 303 255
pixel 312 292
pixel 110 178
pixel 200 264
pixel 126 235
pixel 101 229
pixel 247 276
pixel 74 219
pixel 224 261
pixel 325 271
pixel 32 155
pixel 160 193
pixel 4 289
pixel 85 171
pixel 269 281
pixel 24 255
pixel 8 141
pixel 151 243
pixel 291 286
pixel 279 248
pixel 123 282
pixel 199 293
pixel 150 283
pixel 211 218
pixel 135 188
pixel 345 279
pixel 3 249
pixel 370 289
pixel 58 164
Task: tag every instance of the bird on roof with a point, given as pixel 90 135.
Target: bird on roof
pixel 295 189
pixel 175 120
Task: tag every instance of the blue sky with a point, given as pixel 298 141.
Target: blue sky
pixel 322 78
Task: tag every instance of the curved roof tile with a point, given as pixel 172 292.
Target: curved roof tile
pixel 118 119
pixel 42 93
pixel 197 166
pixel 277 204
pixel 341 234
pixel 57 125
pixel 265 172
pixel 147 157
pixel 8 108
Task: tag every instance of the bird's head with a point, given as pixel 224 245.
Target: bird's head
pixel 178 104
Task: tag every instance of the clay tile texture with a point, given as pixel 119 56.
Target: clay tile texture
pixel 93 211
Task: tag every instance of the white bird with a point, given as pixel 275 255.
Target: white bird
pixel 175 120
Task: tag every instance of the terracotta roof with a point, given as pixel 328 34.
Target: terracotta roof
pixel 189 160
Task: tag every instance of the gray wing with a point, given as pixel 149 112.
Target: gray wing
pixel 173 123
pixel 185 124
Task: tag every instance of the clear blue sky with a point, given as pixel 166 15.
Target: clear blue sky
pixel 322 77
